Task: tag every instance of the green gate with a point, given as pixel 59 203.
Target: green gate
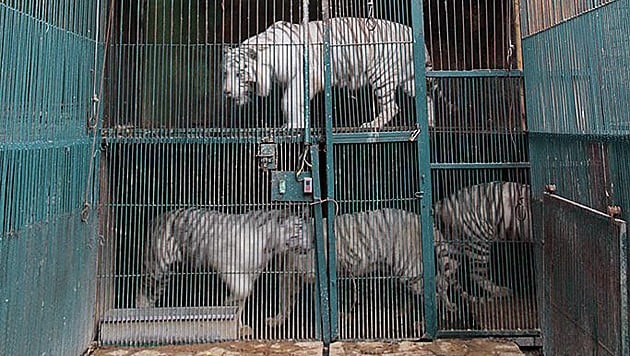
pixel 576 56
pixel 50 65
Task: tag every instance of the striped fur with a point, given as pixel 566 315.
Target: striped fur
pixel 474 217
pixel 238 246
pixel 379 56
pixel 365 242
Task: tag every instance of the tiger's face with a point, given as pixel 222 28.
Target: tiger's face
pixel 297 238
pixel 239 74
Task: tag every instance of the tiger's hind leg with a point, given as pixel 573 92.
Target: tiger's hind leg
pixel 298 270
pixel 481 276
pixel 388 108
pixel 240 286
pixel 157 265
pixel 381 79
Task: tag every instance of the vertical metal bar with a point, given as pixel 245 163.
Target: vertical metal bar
pixel 330 175
pixel 424 167
pixel 306 69
pixel 322 281
pixel 623 288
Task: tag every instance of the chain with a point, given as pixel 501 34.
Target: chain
pixel 369 22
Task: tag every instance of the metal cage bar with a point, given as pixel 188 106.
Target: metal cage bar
pixel 184 131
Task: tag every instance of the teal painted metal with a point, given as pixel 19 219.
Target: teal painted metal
pixel 287 186
pixel 48 65
pixel 575 71
pixel 477 73
pixel 578 317
pixel 425 188
pixel 48 293
pixel 330 177
pixel 323 288
pixel 576 76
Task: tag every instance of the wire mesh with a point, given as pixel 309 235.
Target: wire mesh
pixel 48 58
pixel 543 14
pixel 190 124
pixel 478 153
pixel 575 235
pixel 575 66
pixel 376 294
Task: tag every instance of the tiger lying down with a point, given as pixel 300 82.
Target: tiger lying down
pixel 380 56
pixel 238 246
pixel 366 241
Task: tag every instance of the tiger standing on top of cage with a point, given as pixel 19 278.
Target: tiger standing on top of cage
pixel 237 246
pixel 380 55
pixel 474 217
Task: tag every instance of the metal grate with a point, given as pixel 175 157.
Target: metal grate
pixel 50 66
pixel 177 137
pixel 585 302
pixel 543 14
pixel 575 57
pixel 479 141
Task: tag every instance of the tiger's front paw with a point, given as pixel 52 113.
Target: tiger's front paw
pixel 374 124
pixel 142 301
pixel 245 331
pixel 276 321
pixel 500 292
pixel 292 126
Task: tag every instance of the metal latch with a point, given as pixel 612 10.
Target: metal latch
pixel 267 156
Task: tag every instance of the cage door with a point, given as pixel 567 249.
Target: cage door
pixel 585 296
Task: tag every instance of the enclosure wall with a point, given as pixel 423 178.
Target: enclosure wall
pixel 48 240
pixel 409 103
pixel 576 57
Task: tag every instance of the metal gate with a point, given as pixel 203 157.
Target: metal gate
pixel 212 139
pixel 584 302
pixel 50 66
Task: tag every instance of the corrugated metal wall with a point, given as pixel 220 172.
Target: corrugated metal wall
pixel 577 55
pixel 48 240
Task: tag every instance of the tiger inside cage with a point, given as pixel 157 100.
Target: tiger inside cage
pixel 275 170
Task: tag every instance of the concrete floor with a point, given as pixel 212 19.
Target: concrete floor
pixel 445 347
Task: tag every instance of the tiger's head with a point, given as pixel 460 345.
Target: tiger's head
pixel 244 72
pixel 290 228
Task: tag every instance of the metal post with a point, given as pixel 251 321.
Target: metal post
pixel 330 176
pixel 324 305
pixel 430 310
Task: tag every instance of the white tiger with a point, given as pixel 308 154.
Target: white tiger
pixel 380 56
pixel 237 246
pixel 366 241
pixel 474 217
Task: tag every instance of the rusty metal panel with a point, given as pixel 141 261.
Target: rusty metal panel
pixel 51 65
pixel 585 300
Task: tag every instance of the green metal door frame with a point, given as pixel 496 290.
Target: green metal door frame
pixel 424 193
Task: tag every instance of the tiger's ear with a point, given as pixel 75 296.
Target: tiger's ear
pixel 252 53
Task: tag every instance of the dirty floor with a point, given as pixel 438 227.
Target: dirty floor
pixel 445 347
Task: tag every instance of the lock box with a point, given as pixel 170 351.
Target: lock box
pixel 285 186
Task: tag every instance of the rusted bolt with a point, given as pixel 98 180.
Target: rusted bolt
pixel 614 210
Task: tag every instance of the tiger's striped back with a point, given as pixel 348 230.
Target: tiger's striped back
pixel 474 217
pixel 380 56
pixel 385 239
pixel 238 246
